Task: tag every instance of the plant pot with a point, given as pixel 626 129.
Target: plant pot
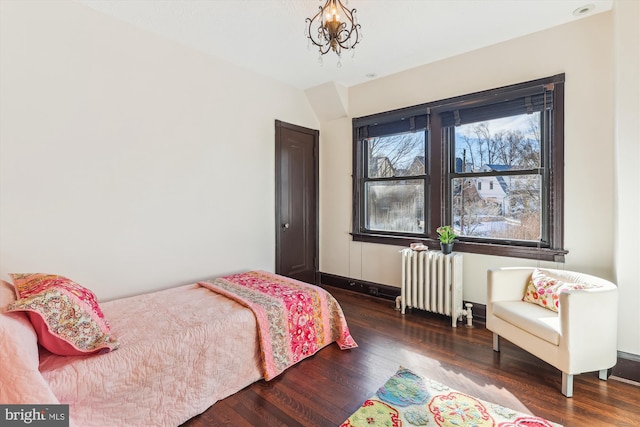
pixel 446 248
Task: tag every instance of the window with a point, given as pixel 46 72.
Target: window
pixel 489 163
pixel 394 184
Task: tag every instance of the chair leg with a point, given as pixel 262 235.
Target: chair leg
pixel 496 342
pixel 567 384
pixel 603 374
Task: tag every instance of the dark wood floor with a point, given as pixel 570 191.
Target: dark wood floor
pixel 326 388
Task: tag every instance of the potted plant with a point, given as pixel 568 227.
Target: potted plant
pixel 446 236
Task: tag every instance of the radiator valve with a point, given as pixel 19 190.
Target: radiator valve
pixel 469 314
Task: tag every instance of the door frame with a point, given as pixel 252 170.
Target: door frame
pixel 278 196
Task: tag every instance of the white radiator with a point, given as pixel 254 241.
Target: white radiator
pixel 432 281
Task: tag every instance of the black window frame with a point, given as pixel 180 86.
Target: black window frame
pixel 436 118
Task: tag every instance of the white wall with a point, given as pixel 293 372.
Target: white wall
pixel 626 15
pixel 127 162
pixel 581 50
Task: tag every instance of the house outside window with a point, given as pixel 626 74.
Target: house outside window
pixel 490 164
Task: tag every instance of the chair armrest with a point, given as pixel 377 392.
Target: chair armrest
pixel 589 316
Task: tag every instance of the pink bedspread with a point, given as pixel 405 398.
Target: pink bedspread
pixel 176 359
pixel 295 319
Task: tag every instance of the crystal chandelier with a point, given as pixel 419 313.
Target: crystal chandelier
pixel 334 27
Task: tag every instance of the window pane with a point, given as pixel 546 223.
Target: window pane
pixel 511 210
pixel 396 155
pixel 509 143
pixel 395 206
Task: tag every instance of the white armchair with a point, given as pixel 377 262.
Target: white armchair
pixel 580 337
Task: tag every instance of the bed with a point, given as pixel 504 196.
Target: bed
pixel 180 350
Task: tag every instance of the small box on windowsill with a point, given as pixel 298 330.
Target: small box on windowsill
pixel 419 247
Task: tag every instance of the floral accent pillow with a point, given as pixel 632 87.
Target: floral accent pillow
pixel 65 315
pixel 545 290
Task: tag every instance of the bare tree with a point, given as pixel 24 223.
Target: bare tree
pixel 399 152
pixel 470 150
pixel 483 136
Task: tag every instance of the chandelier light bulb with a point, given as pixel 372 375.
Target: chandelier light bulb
pixel 334 14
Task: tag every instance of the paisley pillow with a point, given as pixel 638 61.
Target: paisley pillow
pixel 65 315
pixel 544 289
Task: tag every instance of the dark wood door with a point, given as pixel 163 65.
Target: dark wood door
pixel 296 202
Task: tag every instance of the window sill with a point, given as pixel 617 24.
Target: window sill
pixel 528 252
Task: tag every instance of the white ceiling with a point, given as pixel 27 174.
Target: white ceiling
pixel 267 36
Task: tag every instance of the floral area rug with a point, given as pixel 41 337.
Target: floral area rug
pixel 408 399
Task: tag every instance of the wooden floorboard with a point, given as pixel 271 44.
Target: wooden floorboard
pixel 326 388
